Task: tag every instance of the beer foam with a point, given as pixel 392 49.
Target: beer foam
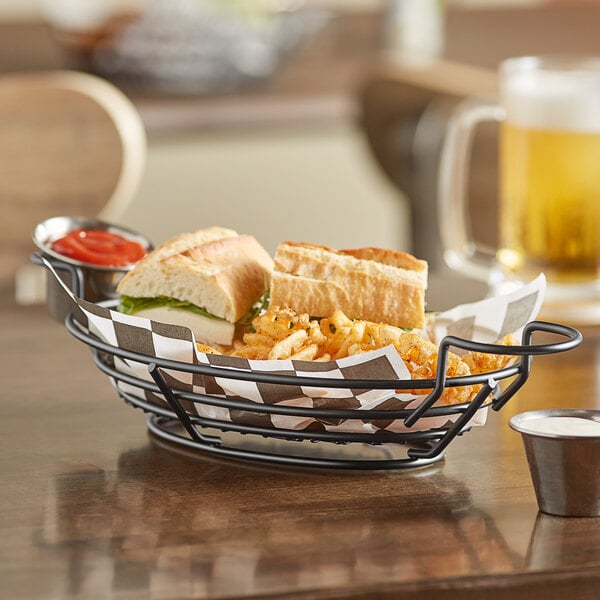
pixel 553 100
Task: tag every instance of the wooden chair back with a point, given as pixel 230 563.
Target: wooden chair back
pixel 70 144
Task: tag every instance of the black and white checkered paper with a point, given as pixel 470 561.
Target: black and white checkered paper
pixel 486 321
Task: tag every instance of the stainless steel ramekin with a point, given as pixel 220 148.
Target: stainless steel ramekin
pixel 565 466
pixel 88 281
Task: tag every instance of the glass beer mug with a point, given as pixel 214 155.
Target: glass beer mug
pixel 549 184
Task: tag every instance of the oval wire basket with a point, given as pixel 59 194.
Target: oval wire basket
pixel 174 414
pixel 176 423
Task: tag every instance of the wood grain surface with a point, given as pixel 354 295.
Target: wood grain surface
pixel 92 506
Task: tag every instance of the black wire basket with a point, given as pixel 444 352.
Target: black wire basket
pixel 178 416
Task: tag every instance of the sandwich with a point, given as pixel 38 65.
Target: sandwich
pixel 371 284
pixel 207 280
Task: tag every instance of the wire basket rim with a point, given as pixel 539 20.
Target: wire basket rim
pixel 526 351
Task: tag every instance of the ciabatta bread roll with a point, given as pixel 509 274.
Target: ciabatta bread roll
pixel 206 280
pixel 372 284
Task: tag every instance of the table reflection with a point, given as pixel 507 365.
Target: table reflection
pixel 226 529
pixel 557 542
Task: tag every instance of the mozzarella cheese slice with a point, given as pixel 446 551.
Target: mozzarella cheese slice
pixel 206 330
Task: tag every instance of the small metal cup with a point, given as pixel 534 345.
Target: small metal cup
pixel 564 467
pixel 90 282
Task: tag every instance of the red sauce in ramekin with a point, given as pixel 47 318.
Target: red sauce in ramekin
pixel 99 247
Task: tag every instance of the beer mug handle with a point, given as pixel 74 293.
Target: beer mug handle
pixel 461 252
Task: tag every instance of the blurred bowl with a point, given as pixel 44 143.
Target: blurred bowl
pixel 563 453
pixel 89 281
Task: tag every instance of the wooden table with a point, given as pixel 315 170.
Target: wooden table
pixel 91 506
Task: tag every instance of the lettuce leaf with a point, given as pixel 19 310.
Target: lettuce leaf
pixel 259 307
pixel 130 305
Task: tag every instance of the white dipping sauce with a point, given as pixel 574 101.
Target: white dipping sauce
pixel 573 426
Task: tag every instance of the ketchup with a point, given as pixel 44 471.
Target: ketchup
pixel 99 247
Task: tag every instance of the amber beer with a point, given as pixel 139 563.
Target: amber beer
pixel 550 175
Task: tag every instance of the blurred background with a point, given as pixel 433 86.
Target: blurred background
pixel 312 120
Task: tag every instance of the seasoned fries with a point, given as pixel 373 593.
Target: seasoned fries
pixel 284 334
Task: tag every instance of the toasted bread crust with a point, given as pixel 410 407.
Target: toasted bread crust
pixel 367 283
pixel 215 268
pixel 395 258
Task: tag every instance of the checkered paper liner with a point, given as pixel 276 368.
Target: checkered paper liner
pixel 487 321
